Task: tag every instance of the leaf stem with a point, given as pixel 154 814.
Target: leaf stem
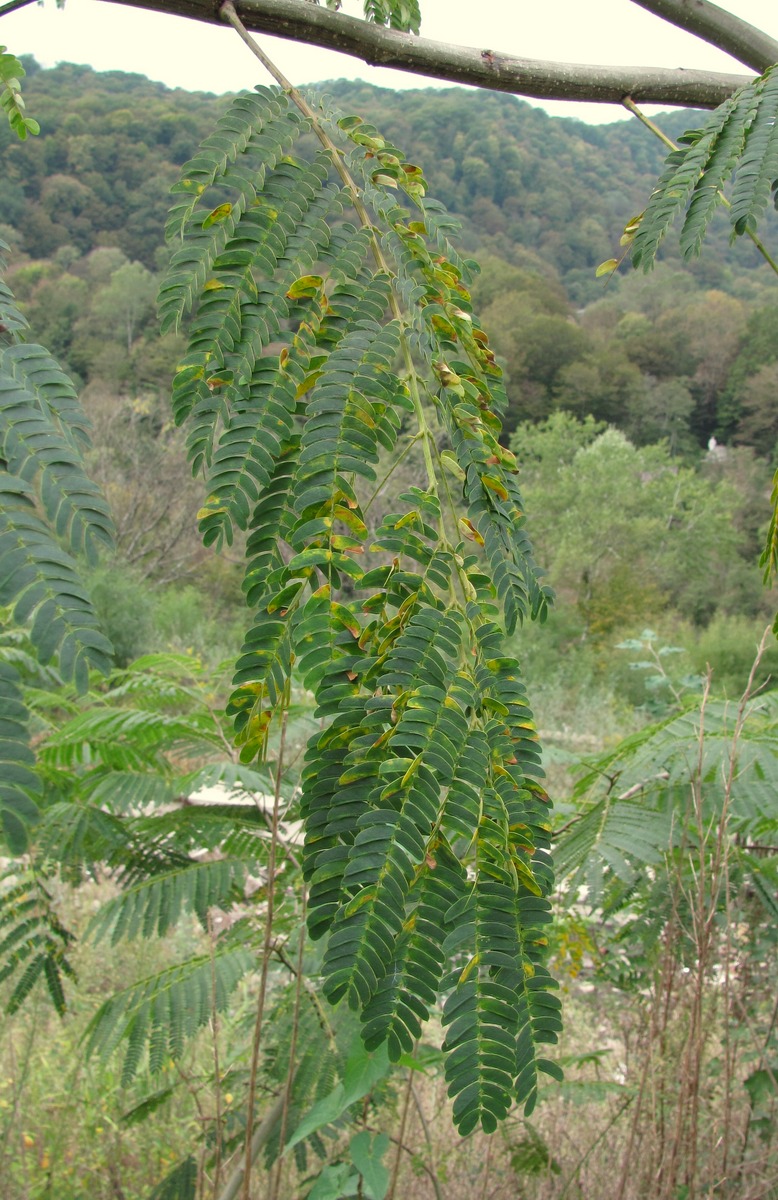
pixel 218 1151
pixel 629 104
pixel 382 484
pixel 401 1136
pixel 275 1182
pixel 266 948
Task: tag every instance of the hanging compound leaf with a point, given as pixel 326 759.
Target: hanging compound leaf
pixel 20 786
pixel 33 941
pixel 328 317
pixel 739 137
pixel 47 503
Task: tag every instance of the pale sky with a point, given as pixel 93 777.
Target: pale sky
pixel 187 54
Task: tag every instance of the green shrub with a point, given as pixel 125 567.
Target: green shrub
pixel 729 645
pixel 125 606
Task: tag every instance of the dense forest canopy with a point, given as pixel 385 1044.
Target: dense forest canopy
pixel 676 355
pixel 506 167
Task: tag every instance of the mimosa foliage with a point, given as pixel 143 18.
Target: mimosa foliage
pixel 33 942
pixel 157 1015
pixel 330 325
pixel 115 795
pixel 50 513
pixel 635 802
pixel 739 138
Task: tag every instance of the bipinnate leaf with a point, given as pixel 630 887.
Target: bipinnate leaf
pixel 738 138
pixel 329 316
pixel 51 512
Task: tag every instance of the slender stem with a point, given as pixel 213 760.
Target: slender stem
pixel 228 13
pixel 216 1066
pixel 409 1150
pixel 585 1157
pixel 487 1167
pixel 262 1134
pixel 313 996
pixel 266 948
pixel 629 104
pixel 401 1136
pixel 432 1171
pixel 761 1065
pixel 275 1182
pixel 383 482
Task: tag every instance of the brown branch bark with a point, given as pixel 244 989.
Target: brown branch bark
pixel 484 67
pixel 723 29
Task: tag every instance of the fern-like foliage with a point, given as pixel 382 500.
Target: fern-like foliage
pixel 50 514
pixel 109 792
pixel 740 137
pixel 635 799
pixel 397 14
pixel 33 941
pixel 154 905
pixel 115 770
pixel 50 511
pixel 19 783
pixel 154 1017
pixel 328 316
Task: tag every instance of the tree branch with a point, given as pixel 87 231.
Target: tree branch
pixel 723 29
pixel 12 6
pixel 300 21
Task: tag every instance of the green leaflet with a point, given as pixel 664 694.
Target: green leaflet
pixel 50 511
pixel 19 784
pixel 33 942
pixel 158 1014
pixel 11 73
pixel 738 137
pixel 320 340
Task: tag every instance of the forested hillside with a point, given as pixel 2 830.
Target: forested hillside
pixel 684 354
pixel 111 144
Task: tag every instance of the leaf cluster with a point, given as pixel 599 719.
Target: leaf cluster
pixel 50 513
pixel 11 101
pixel 327 313
pixel 638 842
pixel 738 138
